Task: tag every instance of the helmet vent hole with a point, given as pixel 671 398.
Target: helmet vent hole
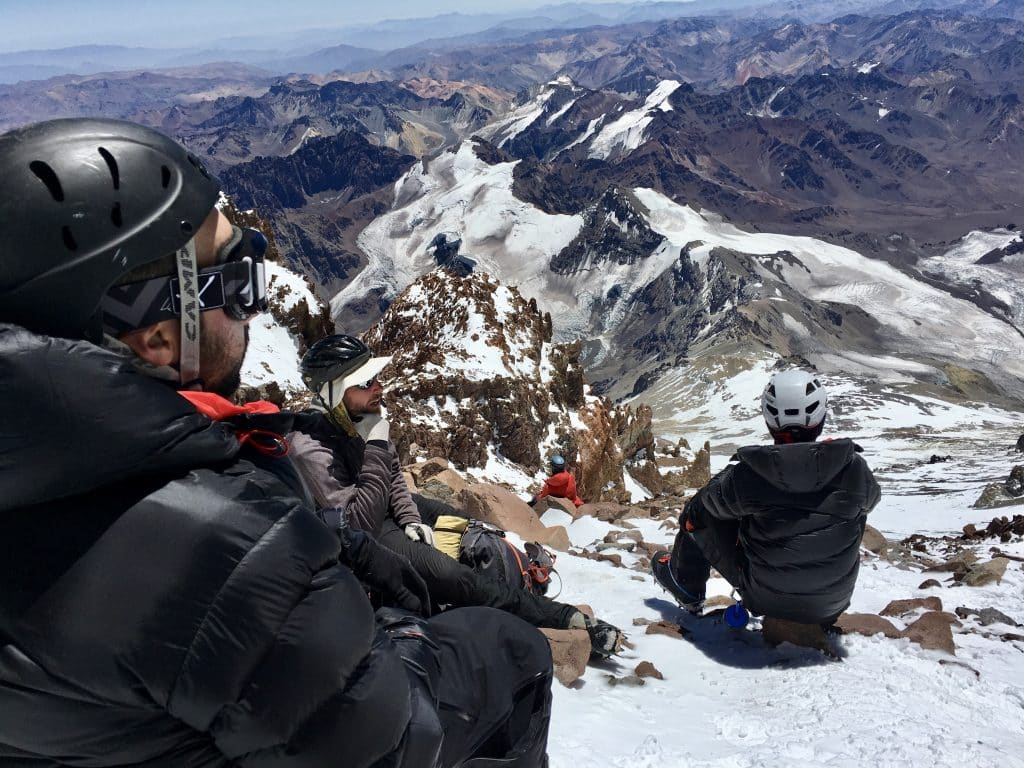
pixel 115 174
pixel 811 386
pixel 165 176
pixel 792 411
pixel 69 239
pixel 115 215
pixel 46 175
pixel 812 407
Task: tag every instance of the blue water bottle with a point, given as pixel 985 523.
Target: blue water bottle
pixel 736 615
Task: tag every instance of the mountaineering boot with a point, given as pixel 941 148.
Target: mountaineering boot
pixel 605 639
pixel 661 567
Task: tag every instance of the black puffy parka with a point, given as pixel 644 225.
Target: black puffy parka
pixel 167 596
pixel 799 511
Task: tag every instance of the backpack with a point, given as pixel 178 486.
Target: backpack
pixel 485 549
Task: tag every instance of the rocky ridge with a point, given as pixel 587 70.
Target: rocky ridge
pixel 476 379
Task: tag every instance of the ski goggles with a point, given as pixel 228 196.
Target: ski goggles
pixel 236 284
pixel 369 384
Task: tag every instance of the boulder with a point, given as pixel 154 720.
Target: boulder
pixel 933 631
pixel 929 583
pixel 986 616
pixel 903 607
pixel 981 574
pixel 556 537
pixel 607 511
pixel 570 650
pixel 1020 443
pixel 646 669
pixel 874 541
pixel 446 486
pixel 553 502
pixel 666 628
pixel 633 535
pixel 499 506
pixel 410 481
pixel 959 564
pixel 424 470
pixel 1015 482
pixel 866 624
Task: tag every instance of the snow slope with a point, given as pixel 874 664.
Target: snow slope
pixel 273 350
pixel 730 701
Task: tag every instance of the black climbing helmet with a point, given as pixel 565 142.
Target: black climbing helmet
pixel 82 202
pixel 331 358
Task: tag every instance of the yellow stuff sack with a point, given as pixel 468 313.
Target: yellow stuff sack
pixel 448 532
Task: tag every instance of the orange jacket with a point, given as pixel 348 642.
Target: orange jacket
pixel 562 485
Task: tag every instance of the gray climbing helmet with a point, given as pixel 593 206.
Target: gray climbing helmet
pixel 82 202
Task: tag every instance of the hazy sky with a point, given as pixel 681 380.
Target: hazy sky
pixel 27 24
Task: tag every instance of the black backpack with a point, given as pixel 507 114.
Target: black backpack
pixel 485 549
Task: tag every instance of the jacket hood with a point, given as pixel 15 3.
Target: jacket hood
pixel 77 417
pixel 799 467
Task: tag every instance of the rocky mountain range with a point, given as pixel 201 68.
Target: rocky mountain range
pixel 670 187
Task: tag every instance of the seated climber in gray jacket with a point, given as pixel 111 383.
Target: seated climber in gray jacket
pixel 784 524
pixel 342 448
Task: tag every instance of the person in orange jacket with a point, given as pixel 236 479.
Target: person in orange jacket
pixel 561 483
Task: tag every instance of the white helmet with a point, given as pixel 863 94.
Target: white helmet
pixel 793 398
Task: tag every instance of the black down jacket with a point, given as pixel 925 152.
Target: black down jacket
pixel 166 598
pixel 801 511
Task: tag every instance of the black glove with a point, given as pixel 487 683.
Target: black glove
pixel 383 571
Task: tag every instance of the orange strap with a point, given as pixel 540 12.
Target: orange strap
pixel 218 408
pixel 524 572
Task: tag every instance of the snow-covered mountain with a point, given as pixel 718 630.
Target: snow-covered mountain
pixel 648 283
pixel 476 380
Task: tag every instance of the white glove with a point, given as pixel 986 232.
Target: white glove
pixel 420 532
pixel 373 427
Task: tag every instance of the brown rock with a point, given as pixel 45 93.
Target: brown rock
pixel 553 502
pixel 445 486
pixel 556 537
pixel 874 541
pixel 646 669
pixel 959 564
pixel 866 624
pixel 933 631
pixel 570 650
pixel 499 506
pixel 584 608
pixel 634 535
pixel 776 631
pixel 929 583
pixel 608 511
pixel 410 481
pixel 903 607
pixel 986 573
pixel 424 470
pixel 666 628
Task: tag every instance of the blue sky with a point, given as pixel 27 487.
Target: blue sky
pixel 28 24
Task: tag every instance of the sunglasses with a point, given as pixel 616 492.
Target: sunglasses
pixel 237 284
pixel 368 384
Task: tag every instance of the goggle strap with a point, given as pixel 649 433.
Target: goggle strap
pixel 188 271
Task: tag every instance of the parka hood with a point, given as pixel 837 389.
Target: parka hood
pixel 77 417
pixel 799 467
